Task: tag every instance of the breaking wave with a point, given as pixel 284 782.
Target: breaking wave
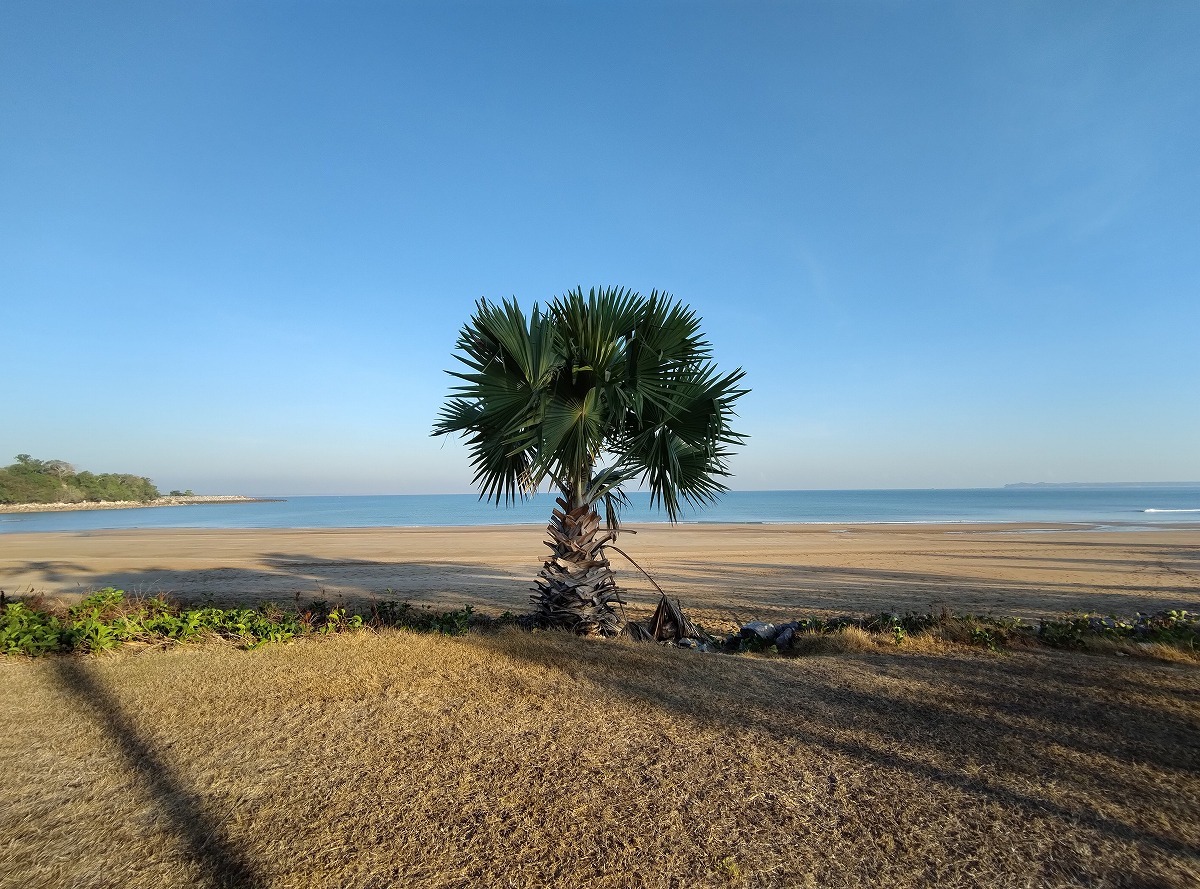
pixel 1171 510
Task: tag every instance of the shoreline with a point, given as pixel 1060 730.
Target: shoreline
pixel 632 529
pixel 194 500
pixel 964 526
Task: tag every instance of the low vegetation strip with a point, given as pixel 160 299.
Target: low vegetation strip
pixel 1175 631
pixel 109 618
pixel 517 759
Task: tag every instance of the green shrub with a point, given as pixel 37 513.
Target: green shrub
pixel 108 618
pixel 26 631
pixel 56 481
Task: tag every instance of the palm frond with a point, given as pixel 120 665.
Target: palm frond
pixel 544 397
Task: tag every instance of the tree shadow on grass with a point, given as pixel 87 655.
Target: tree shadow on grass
pixel 1037 734
pixel 202 836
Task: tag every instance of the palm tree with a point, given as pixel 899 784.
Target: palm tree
pixel 587 396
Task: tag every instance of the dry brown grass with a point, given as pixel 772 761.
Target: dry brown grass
pixel 844 641
pixel 516 760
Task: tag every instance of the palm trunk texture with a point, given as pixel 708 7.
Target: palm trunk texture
pixel 576 589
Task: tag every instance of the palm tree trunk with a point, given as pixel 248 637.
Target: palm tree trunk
pixel 576 589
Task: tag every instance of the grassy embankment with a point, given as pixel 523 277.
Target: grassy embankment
pixel 515 759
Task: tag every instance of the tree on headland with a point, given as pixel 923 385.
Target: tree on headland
pixel 585 397
pixel 58 468
pixel 56 481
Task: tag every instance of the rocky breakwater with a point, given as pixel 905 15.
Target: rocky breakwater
pixel 131 504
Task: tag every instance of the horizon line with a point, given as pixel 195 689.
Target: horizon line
pixel 1148 484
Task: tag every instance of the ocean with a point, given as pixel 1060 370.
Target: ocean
pixel 1117 507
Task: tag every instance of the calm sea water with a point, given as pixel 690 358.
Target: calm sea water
pixel 1146 507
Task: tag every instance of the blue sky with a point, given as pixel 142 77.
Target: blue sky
pixel 952 244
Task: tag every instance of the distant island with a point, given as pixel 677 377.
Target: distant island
pixel 32 485
pixel 1104 485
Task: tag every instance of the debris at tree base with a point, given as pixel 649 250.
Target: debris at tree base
pixel 635 631
pixel 668 624
pixel 761 630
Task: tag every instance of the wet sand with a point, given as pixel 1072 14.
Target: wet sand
pixel 722 572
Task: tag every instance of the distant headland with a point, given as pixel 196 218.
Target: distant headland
pixel 32 485
pixel 1104 485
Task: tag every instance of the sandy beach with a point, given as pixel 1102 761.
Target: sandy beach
pixel 722 572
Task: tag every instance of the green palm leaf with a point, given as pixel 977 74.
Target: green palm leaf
pixel 596 391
